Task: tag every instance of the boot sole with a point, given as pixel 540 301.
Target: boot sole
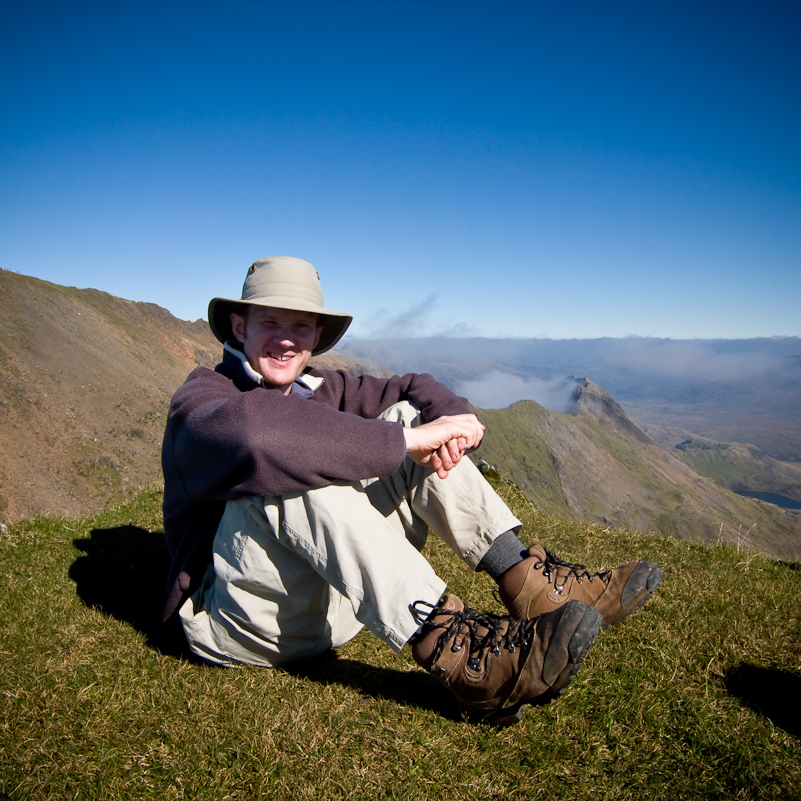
pixel 586 629
pixel 652 582
pixel 587 623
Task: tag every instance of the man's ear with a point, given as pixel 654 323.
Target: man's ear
pixel 238 324
pixel 317 338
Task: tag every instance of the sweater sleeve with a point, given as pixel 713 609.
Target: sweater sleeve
pixel 222 443
pixel 368 396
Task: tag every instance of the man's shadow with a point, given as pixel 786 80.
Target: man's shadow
pixel 123 573
pixel 412 688
pixel 776 694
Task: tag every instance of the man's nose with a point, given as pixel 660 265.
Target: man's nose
pixel 284 335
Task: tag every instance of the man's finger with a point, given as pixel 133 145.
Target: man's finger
pixel 445 457
pixel 454 451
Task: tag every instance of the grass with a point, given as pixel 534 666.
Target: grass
pixel 697 696
pixel 517 442
pixel 742 467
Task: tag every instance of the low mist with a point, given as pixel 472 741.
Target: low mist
pixel 497 390
pixel 493 373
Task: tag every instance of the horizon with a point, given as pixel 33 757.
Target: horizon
pixel 520 171
pixel 368 338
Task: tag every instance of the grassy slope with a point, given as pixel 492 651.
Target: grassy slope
pixel 741 467
pixel 90 708
pixel 603 469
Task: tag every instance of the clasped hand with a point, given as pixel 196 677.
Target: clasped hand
pixel 442 442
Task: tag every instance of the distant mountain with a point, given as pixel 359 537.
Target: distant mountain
pixel 86 379
pixel 745 390
pixel 740 468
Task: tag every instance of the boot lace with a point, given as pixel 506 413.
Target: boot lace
pixel 561 571
pixel 463 630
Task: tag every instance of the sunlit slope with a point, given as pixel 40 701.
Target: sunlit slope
pixel 598 466
pixel 741 467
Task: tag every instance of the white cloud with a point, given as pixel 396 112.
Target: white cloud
pixel 497 390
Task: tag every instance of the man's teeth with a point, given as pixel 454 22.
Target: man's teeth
pixel 279 357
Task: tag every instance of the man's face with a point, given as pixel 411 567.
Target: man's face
pixel 278 343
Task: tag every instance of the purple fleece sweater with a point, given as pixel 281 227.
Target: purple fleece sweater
pixel 227 438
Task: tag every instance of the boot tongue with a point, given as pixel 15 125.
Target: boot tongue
pixel 449 603
pixel 538 552
pixel 423 650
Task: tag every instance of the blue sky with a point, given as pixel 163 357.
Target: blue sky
pixel 499 169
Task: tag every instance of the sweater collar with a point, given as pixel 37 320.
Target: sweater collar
pixel 304 385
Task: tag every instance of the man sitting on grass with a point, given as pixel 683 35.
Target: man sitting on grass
pixel 297 502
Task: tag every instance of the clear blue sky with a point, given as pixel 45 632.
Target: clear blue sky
pixel 550 169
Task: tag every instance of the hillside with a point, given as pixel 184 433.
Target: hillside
pixel 86 379
pixel 596 465
pixel 85 382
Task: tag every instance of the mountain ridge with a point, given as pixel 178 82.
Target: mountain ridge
pixel 727 390
pixel 596 465
pixel 86 379
pixel 85 384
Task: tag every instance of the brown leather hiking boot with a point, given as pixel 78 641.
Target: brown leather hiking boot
pixel 495 666
pixel 543 582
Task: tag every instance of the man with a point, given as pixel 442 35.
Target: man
pixel 297 502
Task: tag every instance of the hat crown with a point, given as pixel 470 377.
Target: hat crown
pixel 283 277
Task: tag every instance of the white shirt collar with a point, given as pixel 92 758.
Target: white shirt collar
pixel 311 382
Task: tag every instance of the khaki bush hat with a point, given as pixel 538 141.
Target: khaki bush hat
pixel 281 282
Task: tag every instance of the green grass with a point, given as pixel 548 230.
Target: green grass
pixel 742 467
pixel 697 696
pixel 517 442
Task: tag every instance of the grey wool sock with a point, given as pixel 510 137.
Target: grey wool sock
pixel 505 552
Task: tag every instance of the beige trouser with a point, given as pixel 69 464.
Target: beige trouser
pixel 294 575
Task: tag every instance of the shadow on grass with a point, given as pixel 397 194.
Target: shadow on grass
pixel 409 688
pixel 123 574
pixel 776 694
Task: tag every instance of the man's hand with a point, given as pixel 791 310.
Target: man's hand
pixel 442 443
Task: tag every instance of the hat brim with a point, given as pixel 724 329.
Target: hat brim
pixel 334 323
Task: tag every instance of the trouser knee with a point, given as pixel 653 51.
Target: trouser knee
pixel 403 412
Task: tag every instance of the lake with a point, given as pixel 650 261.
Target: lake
pixel 772 497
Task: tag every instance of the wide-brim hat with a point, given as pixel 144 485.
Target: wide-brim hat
pixel 282 282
